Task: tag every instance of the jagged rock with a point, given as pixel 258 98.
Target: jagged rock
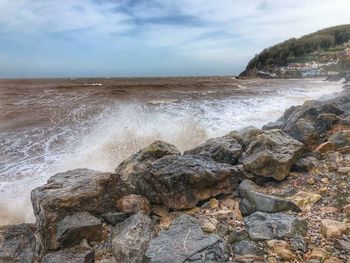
pixel 305 200
pixel 76 254
pixel 271 154
pixel 131 238
pixel 264 226
pixel 18 243
pixel 340 139
pixel 305 164
pixel 245 247
pixel 325 147
pixel 342 244
pixel 79 190
pixel 252 201
pixel 114 218
pixel 132 204
pixel 72 229
pixel 248 135
pixel 272 125
pixel 185 242
pixel 325 121
pixel 332 228
pixel 134 167
pixel 224 149
pixel 179 182
pixel 298 244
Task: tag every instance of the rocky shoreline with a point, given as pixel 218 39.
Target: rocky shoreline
pixel 276 194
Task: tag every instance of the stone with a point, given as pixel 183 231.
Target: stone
pixel 298 244
pixel 237 235
pixel 72 229
pixel 305 164
pixel 252 200
pixel 131 204
pixel 224 149
pixel 79 190
pixel 131 238
pixel 131 169
pixel 280 248
pixel 332 228
pixel 18 243
pixel 318 253
pixel 247 259
pixel 208 225
pixel 333 260
pixel 325 147
pixel 265 226
pixel 160 210
pixel 342 244
pixel 271 154
pixel 344 170
pixel 305 200
pixel 114 218
pixel 77 254
pixel 341 138
pixel 245 247
pixel 326 121
pixel 180 244
pixel 180 182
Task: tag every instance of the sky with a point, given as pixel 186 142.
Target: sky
pixel 77 38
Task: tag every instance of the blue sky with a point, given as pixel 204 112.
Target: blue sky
pixel 64 38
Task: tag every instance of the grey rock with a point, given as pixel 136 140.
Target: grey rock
pixel 271 154
pixel 298 244
pixel 224 149
pixel 342 244
pixel 272 125
pixel 340 138
pixel 18 243
pixel 305 164
pixel 237 235
pixel 185 242
pixel 246 247
pixel 72 229
pixel 114 218
pixel 265 226
pixel 70 255
pixel 252 201
pixel 180 182
pixel 131 238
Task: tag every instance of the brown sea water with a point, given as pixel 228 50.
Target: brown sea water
pixel 52 125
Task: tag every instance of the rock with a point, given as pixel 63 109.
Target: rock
pixel 70 255
pixel 318 253
pixel 253 201
pixel 18 243
pixel 340 139
pixel 72 229
pixel 133 167
pixel 224 149
pixel 160 210
pixel 332 228
pixel 132 204
pixel 342 245
pixel 325 147
pixel 305 200
pixel 333 260
pixel 272 125
pixel 208 225
pixel 180 182
pixel 237 235
pixel 271 154
pixel 280 248
pixel 180 244
pixel 248 259
pixel 344 170
pixel 298 244
pixel 222 229
pixel 305 164
pixel 114 218
pixel 131 238
pixel 79 190
pixel 326 121
pixel 245 247
pixel 248 135
pixel 264 226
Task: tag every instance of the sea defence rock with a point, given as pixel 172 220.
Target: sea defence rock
pixel 131 169
pixel 79 190
pixel 252 201
pixel 18 243
pixel 223 149
pixel 179 182
pixel 131 238
pixel 265 226
pixel 70 255
pixel 185 242
pixel 271 154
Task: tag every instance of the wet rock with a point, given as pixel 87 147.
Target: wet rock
pixel 18 243
pixel 305 200
pixel 271 154
pixel 179 182
pixel 180 244
pixel 114 218
pixel 133 167
pixel 245 247
pixel 77 254
pixel 264 226
pixel 340 138
pixel 305 164
pixel 252 201
pixel 224 149
pixel 325 121
pixel 131 204
pixel 342 244
pixel 79 190
pixel 131 238
pixel 332 228
pixel 325 147
pixel 72 229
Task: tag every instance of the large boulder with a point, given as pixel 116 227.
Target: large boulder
pixel 185 242
pixel 131 169
pixel 271 154
pixel 224 149
pixel 77 254
pixel 79 190
pixel 265 226
pixel 18 243
pixel 180 182
pixel 131 238
pixel 252 200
